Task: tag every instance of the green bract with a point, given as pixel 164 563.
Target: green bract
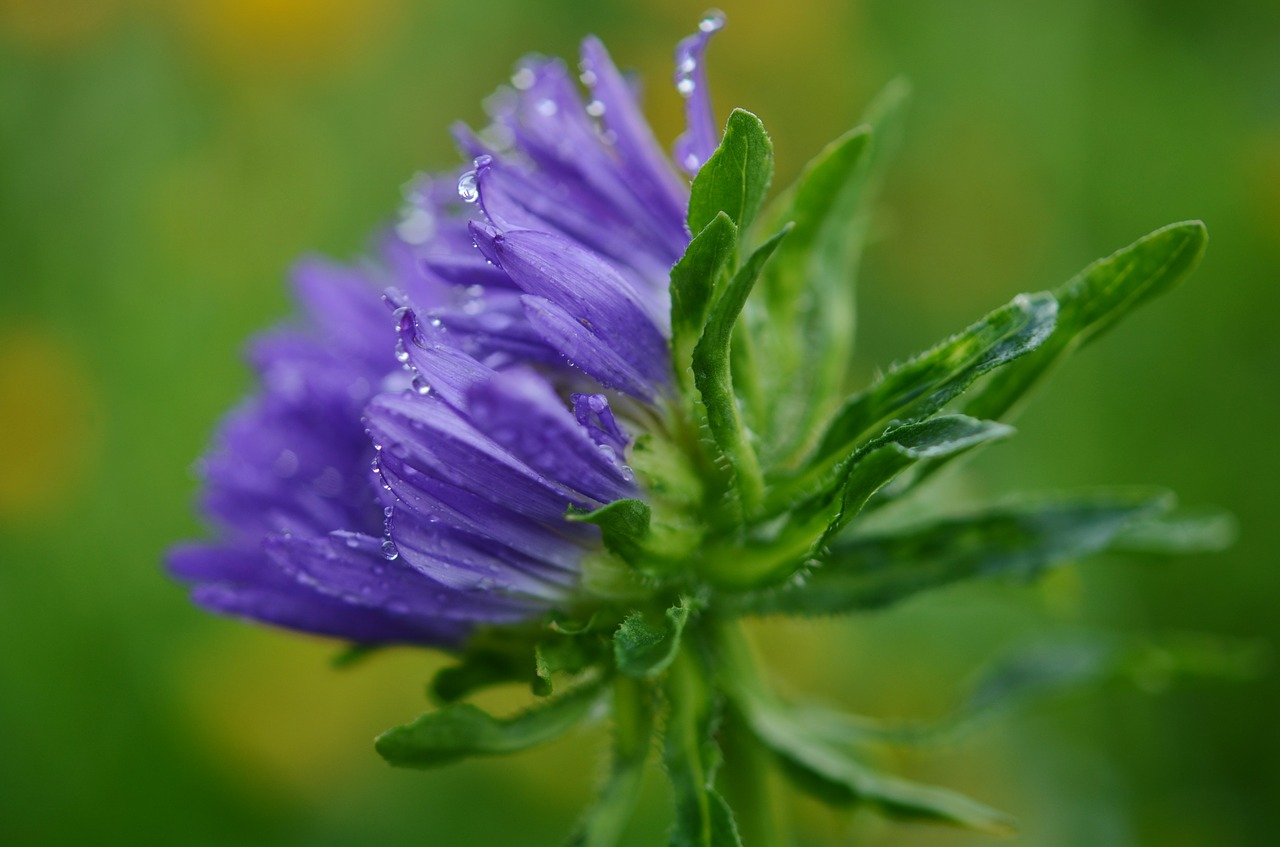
pixel 755 479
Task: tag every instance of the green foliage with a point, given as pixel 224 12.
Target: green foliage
pixel 644 650
pixel 461 730
pixel 734 180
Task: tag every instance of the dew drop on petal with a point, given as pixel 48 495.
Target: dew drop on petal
pixel 420 386
pixel 523 79
pixel 595 108
pixel 685 85
pixel 468 189
pixel 547 107
pixel 389 551
pixel 712 21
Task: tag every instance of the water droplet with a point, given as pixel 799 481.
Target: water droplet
pixel 713 21
pixel 595 108
pixel 435 321
pixel 547 107
pixel 353 542
pixel 588 77
pixel 389 551
pixel 387 512
pixel 468 189
pixel 402 355
pixel 627 473
pixel 421 386
pixel 286 464
pixel 685 85
pixel 523 79
pixel 484 160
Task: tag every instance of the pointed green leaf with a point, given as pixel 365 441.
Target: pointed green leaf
pixel 878 462
pixel 811 523
pixel 736 177
pixel 712 376
pixel 809 289
pixel 461 730
pixel 1092 302
pixel 1015 541
pixel 691 756
pixel 1203 530
pixel 696 282
pixel 644 650
pixel 834 775
pixel 925 383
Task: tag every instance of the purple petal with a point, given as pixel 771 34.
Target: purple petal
pixel 440 368
pixel 437 441
pixel 440 500
pixel 700 138
pixel 648 170
pixel 294 607
pixel 583 349
pixel 596 419
pixel 519 410
pixel 353 569
pixel 466 562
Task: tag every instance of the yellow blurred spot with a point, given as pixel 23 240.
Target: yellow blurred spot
pixel 306 35
pixel 270 708
pixel 55 24
pixel 47 431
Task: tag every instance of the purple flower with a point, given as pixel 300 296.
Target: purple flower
pixel 404 472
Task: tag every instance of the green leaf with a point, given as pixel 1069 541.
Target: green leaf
pixel 691 754
pixel 1033 671
pixel 1204 530
pixel 1021 541
pixel 1094 301
pixel 644 650
pixel 712 376
pixel 879 461
pixel 809 524
pixel 696 282
pixel 924 384
pixel 809 289
pixel 461 730
pixel 491 657
pixel 736 177
pixel 835 776
pixel 633 718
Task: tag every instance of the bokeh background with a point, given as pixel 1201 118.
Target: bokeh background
pixel 162 163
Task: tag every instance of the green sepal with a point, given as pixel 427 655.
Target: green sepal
pixel 1021 540
pixel 691 755
pixel 642 649
pixel 461 730
pixel 556 654
pixel 624 526
pixel 713 378
pixel 633 726
pixel 696 282
pixel 736 177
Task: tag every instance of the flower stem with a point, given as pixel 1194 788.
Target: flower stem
pixel 745 774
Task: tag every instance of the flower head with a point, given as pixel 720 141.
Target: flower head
pixel 583 413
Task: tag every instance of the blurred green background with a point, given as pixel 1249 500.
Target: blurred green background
pixel 163 162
